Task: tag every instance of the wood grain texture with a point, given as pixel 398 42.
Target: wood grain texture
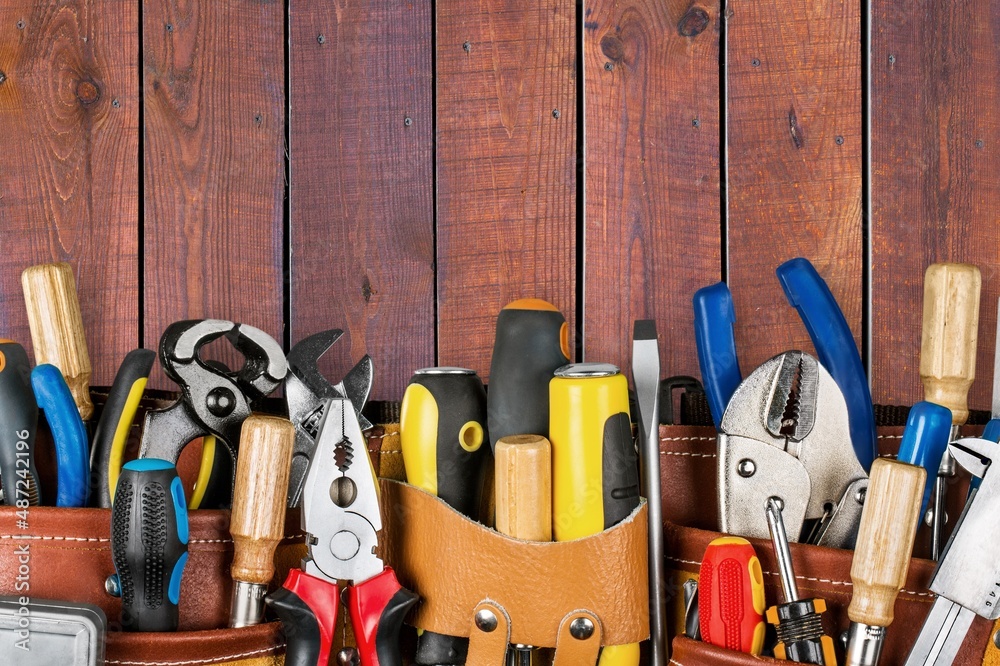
pixel 506 167
pixel 69 170
pixel 362 188
pixel 213 88
pixel 935 194
pixel 652 173
pixel 794 163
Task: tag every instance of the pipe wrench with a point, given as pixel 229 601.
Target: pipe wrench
pixel 786 434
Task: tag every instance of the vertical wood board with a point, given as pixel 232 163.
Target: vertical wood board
pixel 794 163
pixel 506 167
pixel 935 191
pixel 652 174
pixel 68 173
pixel 361 194
pixel 213 88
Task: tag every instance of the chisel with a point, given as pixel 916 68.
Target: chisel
pixel 18 475
pixel 442 428
pixel 523 483
pixel 260 493
pixel 595 478
pixel 888 527
pixel 948 361
pixel 57 327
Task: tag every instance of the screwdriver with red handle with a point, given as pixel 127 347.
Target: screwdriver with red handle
pixel 731 596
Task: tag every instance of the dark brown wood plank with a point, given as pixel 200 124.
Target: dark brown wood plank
pixel 794 162
pixel 362 186
pixel 68 171
pixel 213 87
pixel 506 167
pixel 652 174
pixel 935 192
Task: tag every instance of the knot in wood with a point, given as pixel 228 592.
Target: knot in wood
pixel 87 92
pixel 693 23
pixel 613 48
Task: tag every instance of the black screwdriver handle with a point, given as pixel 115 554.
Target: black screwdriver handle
pixel 149 535
pixel 18 423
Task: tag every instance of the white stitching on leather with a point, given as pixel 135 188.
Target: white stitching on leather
pixel 687 439
pixel 690 455
pixel 810 578
pixel 43 537
pixel 213 660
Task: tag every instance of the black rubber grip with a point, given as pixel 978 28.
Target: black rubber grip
pixel 18 423
pixel 527 351
pixel 387 636
pixel 441 650
pixel 302 635
pixel 148 546
pixel 621 470
pixel 137 365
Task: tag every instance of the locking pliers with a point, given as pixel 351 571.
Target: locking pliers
pixel 786 434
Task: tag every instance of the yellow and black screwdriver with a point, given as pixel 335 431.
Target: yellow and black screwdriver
pixel 442 429
pixel 595 474
pixel 798 621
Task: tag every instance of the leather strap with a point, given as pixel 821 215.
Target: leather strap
pixel 453 563
pixel 489 634
pixel 573 650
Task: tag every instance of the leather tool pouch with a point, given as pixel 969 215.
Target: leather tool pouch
pixel 690 507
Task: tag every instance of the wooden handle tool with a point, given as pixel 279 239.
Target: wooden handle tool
pixel 260 494
pixel 949 336
pixel 57 327
pixel 882 555
pixel 948 360
pixel 524 487
pixel 523 481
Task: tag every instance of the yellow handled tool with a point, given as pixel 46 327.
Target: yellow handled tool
pixel 595 477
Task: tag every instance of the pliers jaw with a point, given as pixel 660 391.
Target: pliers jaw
pixel 786 434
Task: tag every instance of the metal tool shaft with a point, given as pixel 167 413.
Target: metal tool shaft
pixel 942 636
pixel 780 540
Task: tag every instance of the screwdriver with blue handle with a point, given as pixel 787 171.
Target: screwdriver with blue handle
pixel 149 536
pixel 18 476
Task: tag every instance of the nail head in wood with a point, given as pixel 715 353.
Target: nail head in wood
pixel 20 25
pixel 839 140
pixel 115 103
pixel 321 38
pixel 407 121
pixel 467 46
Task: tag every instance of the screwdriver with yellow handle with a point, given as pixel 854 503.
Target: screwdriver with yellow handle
pixel 442 429
pixel 57 328
pixel 893 502
pixel 595 476
pixel 257 523
pixel 523 483
pixel 948 361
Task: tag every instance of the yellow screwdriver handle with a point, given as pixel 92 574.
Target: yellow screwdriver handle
pixel 949 336
pixel 57 327
pixel 885 540
pixel 260 493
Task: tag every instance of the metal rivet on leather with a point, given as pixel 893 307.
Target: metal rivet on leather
pixel 581 628
pixel 486 620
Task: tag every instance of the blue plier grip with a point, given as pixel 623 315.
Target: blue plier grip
pixel 834 342
pixel 714 319
pixel 68 434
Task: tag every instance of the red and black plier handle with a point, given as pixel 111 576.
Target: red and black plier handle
pixel 307 606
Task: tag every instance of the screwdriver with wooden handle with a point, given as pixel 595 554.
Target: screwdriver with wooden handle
pixel 523 482
pixel 893 503
pixel 948 361
pixel 260 493
pixel 57 328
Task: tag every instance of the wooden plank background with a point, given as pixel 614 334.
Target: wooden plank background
pixel 402 170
